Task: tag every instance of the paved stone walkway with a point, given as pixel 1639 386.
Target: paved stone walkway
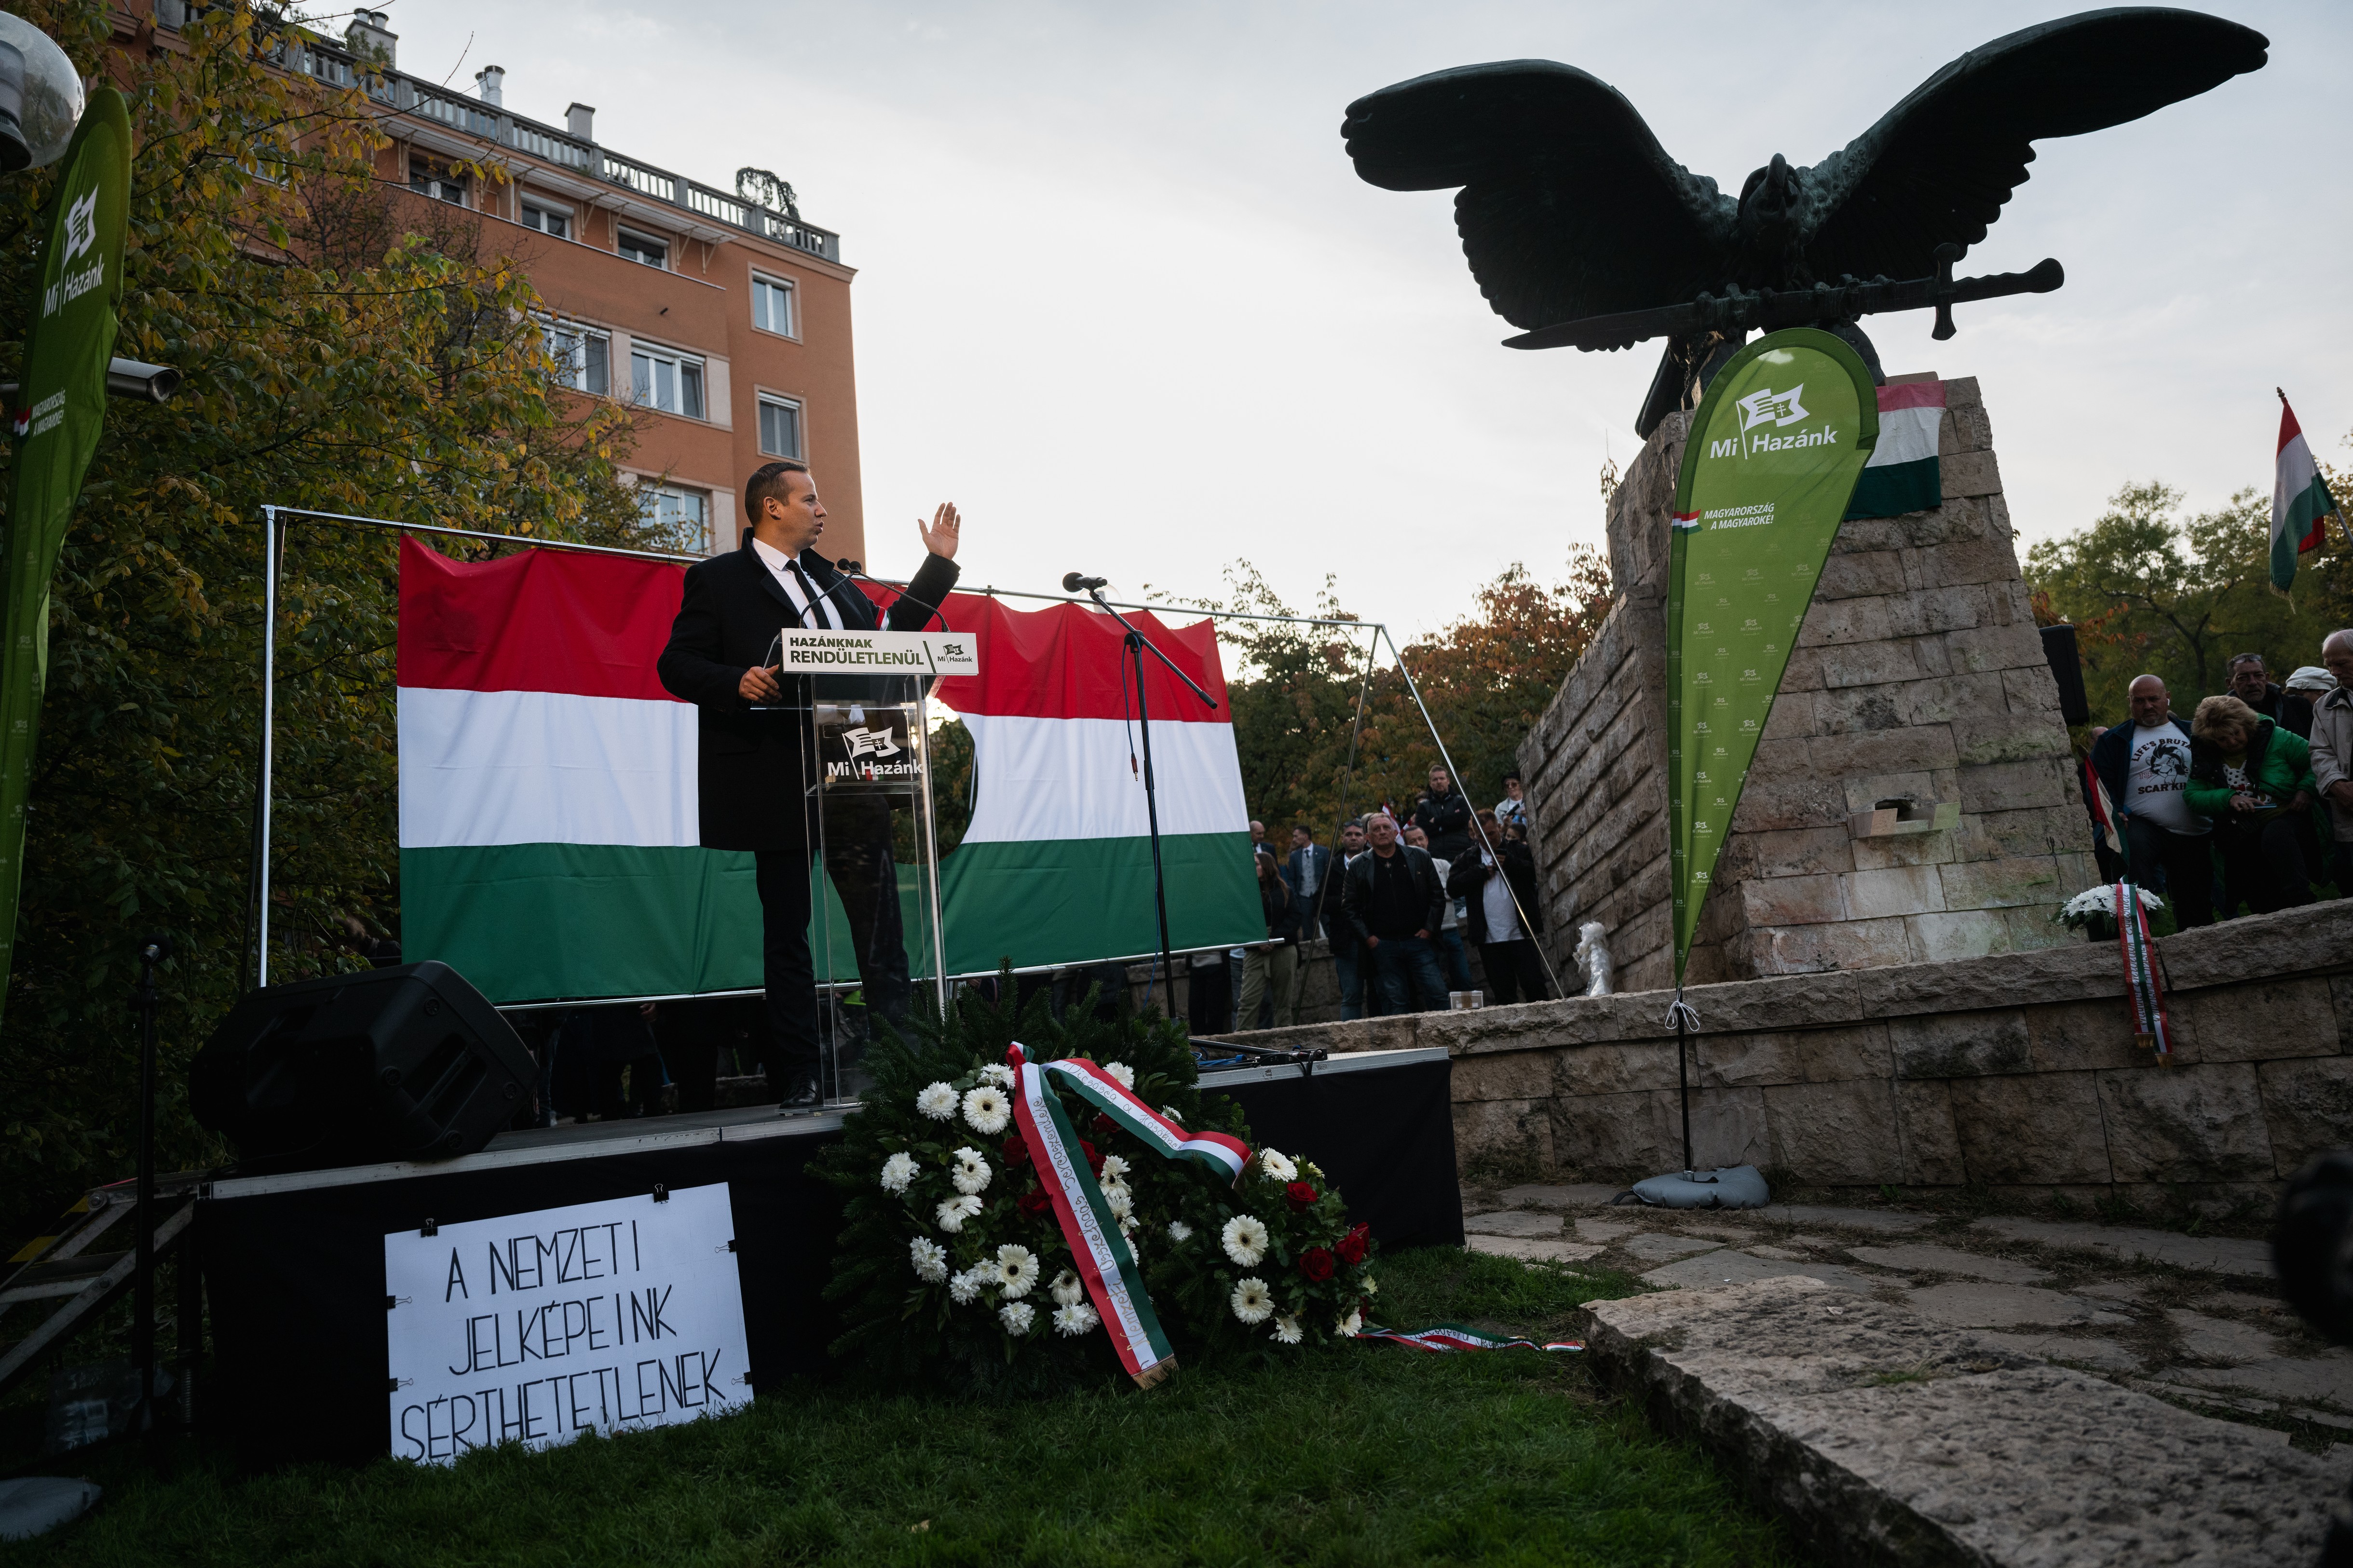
pixel 2194 1320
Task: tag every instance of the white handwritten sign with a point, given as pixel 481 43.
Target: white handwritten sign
pixel 538 1327
pixel 877 653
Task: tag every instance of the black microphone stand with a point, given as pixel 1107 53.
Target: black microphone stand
pixel 1136 645
pixel 152 949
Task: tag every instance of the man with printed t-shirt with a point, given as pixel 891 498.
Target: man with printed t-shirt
pixel 2145 766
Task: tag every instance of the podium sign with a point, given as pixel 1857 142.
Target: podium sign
pixel 876 653
pixel 869 751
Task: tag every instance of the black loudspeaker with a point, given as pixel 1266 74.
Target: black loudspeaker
pixel 2067 669
pixel 349 1069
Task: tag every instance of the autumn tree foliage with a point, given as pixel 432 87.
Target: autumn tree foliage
pixel 1309 697
pixel 347 347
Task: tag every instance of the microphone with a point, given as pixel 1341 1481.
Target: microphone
pixel 1074 584
pixel 858 569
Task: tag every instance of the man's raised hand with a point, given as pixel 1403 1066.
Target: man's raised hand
pixel 943 532
pixel 759 685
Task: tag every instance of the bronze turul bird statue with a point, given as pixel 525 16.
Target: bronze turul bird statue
pixel 1570 210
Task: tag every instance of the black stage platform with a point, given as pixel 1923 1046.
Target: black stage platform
pixel 294 1264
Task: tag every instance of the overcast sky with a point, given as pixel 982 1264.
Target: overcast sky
pixel 1123 298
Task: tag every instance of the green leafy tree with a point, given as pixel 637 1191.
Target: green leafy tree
pixel 347 347
pixel 2172 595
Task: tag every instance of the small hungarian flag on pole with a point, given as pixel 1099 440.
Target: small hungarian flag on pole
pixel 2300 501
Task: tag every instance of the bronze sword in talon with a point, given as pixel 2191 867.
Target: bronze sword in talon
pixel 1740 311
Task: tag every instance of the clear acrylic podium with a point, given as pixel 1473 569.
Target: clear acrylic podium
pixel 866 796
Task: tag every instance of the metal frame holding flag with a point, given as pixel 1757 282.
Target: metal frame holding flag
pixel 60 410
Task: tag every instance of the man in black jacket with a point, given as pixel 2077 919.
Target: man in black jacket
pixel 751 752
pixel 1444 813
pixel 1494 905
pixel 1393 896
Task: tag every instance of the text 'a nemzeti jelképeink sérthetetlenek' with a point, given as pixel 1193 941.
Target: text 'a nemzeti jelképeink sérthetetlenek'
pixel 536 1327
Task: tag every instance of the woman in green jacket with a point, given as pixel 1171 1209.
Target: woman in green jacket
pixel 2254 779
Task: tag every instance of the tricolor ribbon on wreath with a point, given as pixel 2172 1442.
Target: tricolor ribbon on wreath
pixel 1107 1263
pixel 2142 987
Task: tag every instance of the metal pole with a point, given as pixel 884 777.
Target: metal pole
pixel 929 842
pixel 1683 1082
pixel 1451 772
pixel 152 950
pixel 1151 818
pixel 276 545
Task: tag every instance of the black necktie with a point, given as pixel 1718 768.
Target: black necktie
pixel 816 616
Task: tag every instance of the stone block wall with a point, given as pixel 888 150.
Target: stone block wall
pixel 2014 1071
pixel 1918 674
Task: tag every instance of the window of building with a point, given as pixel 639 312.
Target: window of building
pixel 772 305
pixel 681 518
pixel 644 247
pixel 547 218
pixel 436 183
pixel 583 356
pixel 672 383
pixel 780 426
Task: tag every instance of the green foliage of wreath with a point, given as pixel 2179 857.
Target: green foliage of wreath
pixel 945 1227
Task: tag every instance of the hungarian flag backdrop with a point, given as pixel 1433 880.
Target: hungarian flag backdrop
pixel 548 827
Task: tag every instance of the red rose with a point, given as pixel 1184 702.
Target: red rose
pixel 1316 1264
pixel 1035 1202
pixel 1355 1244
pixel 1298 1196
pixel 1016 1152
pixel 1094 1160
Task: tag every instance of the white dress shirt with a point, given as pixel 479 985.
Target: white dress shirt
pixel 781 566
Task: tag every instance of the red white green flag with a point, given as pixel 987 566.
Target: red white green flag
pixel 2300 501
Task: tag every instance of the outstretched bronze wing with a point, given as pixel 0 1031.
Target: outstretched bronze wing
pixel 1569 207
pixel 1938 166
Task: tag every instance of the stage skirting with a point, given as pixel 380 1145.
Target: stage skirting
pixel 294 1265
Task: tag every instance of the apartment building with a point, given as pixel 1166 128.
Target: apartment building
pixel 723 317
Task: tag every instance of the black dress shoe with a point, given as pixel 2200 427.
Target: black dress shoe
pixel 808 1097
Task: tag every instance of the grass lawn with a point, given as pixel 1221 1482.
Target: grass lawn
pixel 1360 1455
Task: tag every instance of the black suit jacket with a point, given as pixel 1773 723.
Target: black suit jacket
pixel 752 762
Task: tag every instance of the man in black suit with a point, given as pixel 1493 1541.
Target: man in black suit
pixel 755 770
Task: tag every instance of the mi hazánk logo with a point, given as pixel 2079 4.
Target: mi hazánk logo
pixel 81 224
pixel 1781 407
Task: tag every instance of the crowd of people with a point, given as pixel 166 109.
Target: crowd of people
pixel 2247 805
pixel 1402 897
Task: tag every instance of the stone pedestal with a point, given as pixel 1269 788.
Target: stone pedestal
pixel 1914 797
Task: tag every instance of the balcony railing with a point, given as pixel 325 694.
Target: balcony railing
pixel 406 94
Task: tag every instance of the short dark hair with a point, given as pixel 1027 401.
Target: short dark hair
pixel 1303 827
pixel 1513 778
pixel 767 481
pixel 2239 658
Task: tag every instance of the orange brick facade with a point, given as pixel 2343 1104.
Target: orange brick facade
pixel 746 309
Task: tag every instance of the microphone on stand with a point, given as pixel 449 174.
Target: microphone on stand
pixel 858 569
pixel 1072 582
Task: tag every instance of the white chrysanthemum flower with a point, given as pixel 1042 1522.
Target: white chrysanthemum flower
pixel 897 1171
pixel 1119 1200
pixel 1017 1270
pixel 1179 1231
pixel 998 1074
pixel 1253 1302
pixel 1123 1072
pixel 937 1101
pixel 1245 1239
pixel 1114 1168
pixel 1287 1331
pixel 1347 1326
pixel 1368 1286
pixel 1067 1288
pixel 1278 1166
pixel 953 1212
pixel 1170 1112
pixel 987 1110
pixel 972 1171
pixel 1016 1317
pixel 962 1288
pixel 1312 1171
pixel 930 1258
pixel 1074 1320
